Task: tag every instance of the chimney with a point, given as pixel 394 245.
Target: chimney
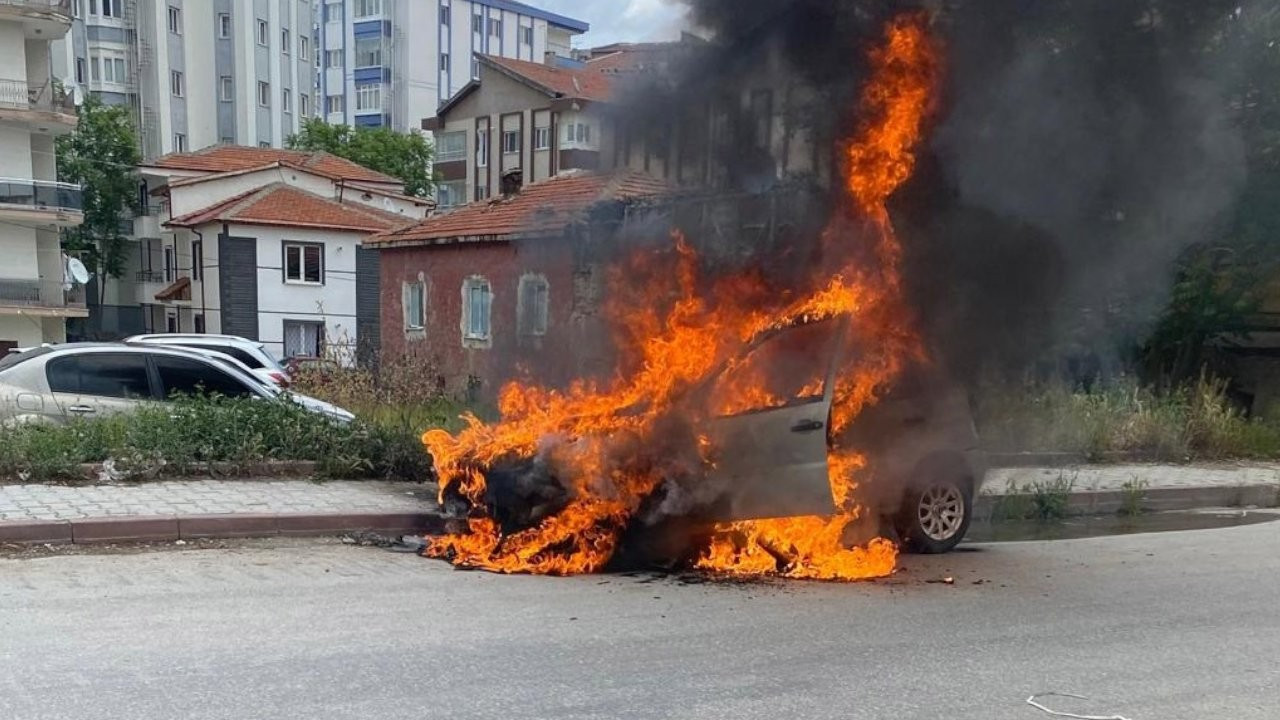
pixel 512 181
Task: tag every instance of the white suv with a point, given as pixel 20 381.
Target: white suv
pixel 250 352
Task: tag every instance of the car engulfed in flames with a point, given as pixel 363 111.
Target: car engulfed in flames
pixel 731 401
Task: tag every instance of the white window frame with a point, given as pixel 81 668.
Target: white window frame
pixel 179 142
pixel 264 33
pixel 175 20
pixel 526 34
pixel 510 142
pixel 335 104
pixel 301 249
pixel 304 47
pixel 445 153
pixel 446 15
pixel 376 57
pixel 482 148
pixel 444 62
pixel 495 27
pixel 532 321
pixel 369 97
pixel 366 9
pixel 477 309
pixel 264 94
pixel 224 25
pixel 415 318
pixel 542 138
pixel 226 88
pixel 286 41
pixel 177 83
pixel 451 193
pixel 286 100
pixel 304 104
pixel 305 328
pixel 477 23
pixel 329 55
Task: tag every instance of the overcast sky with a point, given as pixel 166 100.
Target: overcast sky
pixel 620 20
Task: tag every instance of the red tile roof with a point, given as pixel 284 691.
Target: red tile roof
pixel 224 158
pixel 563 82
pixel 545 206
pixel 280 204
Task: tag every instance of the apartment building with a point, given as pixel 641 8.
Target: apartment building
pixel 390 63
pixel 195 72
pixel 36 293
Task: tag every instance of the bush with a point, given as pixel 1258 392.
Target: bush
pixel 181 435
pixel 1194 422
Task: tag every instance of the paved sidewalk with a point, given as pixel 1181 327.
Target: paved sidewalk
pixel 1108 478
pixel 212 497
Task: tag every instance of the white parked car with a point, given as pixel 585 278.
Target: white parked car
pixel 54 384
pixel 252 353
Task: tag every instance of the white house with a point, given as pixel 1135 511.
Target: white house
pixel 35 299
pixel 264 244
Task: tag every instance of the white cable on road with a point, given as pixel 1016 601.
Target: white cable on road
pixel 1033 703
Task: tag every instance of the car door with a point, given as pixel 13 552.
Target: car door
pixel 191 376
pixel 768 437
pixel 99 384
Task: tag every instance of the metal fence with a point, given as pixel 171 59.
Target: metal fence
pixel 41 194
pixel 40 293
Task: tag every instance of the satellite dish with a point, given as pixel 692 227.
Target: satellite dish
pixel 77 271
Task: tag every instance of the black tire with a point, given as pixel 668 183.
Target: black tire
pixel 927 521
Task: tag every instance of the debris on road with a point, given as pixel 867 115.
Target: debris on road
pixel 1032 701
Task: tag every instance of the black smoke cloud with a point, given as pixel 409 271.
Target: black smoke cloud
pixel 1079 147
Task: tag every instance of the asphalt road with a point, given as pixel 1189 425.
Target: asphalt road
pixel 1151 627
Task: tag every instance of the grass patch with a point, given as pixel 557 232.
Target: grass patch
pixel 1194 422
pixel 181 435
pixel 1040 500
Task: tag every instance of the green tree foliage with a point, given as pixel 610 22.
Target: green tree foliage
pixel 402 155
pixel 101 155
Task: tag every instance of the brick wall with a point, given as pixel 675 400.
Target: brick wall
pixel 571 347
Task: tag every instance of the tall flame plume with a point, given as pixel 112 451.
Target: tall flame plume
pixel 671 341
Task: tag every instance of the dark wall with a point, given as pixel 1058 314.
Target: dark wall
pixel 238 285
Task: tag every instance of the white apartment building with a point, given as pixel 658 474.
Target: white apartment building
pixel 391 63
pixel 35 294
pixel 195 72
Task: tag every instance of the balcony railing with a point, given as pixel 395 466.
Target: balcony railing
pixel 150 276
pixel 40 293
pixel 22 95
pixel 62 7
pixel 41 194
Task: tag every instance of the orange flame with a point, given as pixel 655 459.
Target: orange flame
pixel 671 341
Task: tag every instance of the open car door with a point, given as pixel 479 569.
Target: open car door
pixel 771 409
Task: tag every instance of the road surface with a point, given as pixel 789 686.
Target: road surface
pixel 1151 627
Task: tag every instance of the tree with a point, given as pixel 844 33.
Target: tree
pixel 402 155
pixel 101 156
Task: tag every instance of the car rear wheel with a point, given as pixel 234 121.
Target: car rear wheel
pixel 935 516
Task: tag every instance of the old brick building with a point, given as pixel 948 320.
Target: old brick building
pixel 504 286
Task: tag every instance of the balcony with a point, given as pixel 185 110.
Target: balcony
pixel 41 19
pixel 146 223
pixel 41 298
pixel 46 108
pixel 43 202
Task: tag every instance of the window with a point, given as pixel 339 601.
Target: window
pixel 369 97
pixel 304 47
pixel 286 41
pixel 225 89
pixel 477 24
pixel 112 69
pixel 80 71
pixel 542 138
pixel 366 8
pixel 511 142
pixel 475 69
pixel 495 27
pixel 175 20
pixel 415 306
pixel 175 83
pixel 264 93
pixel 179 142
pixel 264 36
pixel 264 144
pixel 171 321
pixel 451 146
pixel 482 192
pixel 526 34
pixel 304 104
pixel 170 264
pixel 451 194
pixel 579 133
pixel 333 10
pixel 286 100
pixel 333 58
pixel 803 348
pixel 118 65
pixel 197 260
pixel 303 338
pixel 368 52
pixel 444 15
pixel 444 62
pixel 224 25
pixel 482 148
pixel 110 8
pixel 304 263
pixel 532 305
pixel 113 375
pixel 97 75
pixel 187 376
pixel 477 300
pixel 197 323
pixel 334 104
pixel 75 8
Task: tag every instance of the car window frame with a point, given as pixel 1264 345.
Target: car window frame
pixel 160 388
pixel 79 391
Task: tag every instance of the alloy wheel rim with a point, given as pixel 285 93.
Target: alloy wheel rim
pixel 941 512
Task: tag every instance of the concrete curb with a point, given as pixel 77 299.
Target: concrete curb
pixel 1106 502
pixel 91 472
pixel 153 528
